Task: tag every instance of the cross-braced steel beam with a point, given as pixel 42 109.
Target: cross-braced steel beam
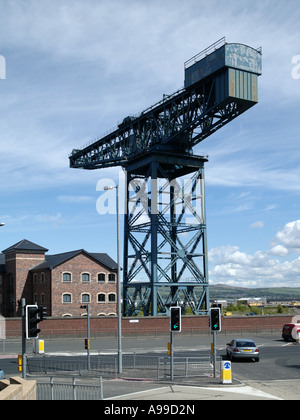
pixel 165 235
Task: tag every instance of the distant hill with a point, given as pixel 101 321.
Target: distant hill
pixel 222 291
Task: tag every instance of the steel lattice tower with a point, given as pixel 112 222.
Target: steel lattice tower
pixel 165 237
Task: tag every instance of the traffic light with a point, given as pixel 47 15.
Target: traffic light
pixel 32 321
pixel 215 319
pixel 175 318
pixel 86 343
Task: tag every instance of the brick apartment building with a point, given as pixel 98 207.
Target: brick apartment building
pixel 61 282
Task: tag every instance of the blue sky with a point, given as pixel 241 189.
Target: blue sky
pixel 74 69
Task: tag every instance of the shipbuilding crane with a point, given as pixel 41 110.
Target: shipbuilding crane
pixel 165 235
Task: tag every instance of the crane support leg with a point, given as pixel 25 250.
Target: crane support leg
pixel 165 250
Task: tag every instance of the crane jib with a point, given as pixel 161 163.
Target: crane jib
pixel 220 84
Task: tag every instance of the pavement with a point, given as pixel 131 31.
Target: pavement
pixel 209 388
pixel 195 393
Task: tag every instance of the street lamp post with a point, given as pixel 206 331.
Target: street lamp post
pixel 119 279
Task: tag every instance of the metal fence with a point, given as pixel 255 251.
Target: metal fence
pixel 69 391
pixel 104 365
pixel 134 366
pixel 187 367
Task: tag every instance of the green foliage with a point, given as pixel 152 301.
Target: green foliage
pixel 280 309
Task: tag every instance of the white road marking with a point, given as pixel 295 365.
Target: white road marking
pixel 242 390
pixel 247 390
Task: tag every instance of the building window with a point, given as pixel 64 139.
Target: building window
pixel 43 278
pixel 101 277
pixel 66 277
pixel 101 297
pixel 85 277
pixel 34 278
pixel 67 298
pixel 85 298
pixel 43 298
pixel 112 298
pixel 111 277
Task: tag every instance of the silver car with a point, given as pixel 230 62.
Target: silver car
pixel 242 348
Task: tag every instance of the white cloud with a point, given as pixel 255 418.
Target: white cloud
pixel 257 225
pixel 289 236
pixel 48 218
pixel 279 250
pixel 229 265
pixel 75 199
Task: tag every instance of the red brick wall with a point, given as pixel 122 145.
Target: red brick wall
pixel 18 264
pixel 41 289
pixel 151 325
pixel 77 266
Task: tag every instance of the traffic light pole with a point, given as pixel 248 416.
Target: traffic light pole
pixel 88 334
pixel 23 303
pixel 215 353
pixel 172 357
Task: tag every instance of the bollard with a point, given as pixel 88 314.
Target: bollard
pixel 226 377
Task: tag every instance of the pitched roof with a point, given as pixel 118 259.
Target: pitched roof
pixel 105 260
pixel 25 245
pixel 52 261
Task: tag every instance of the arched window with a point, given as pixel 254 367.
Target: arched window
pixel 101 297
pixel 111 277
pixel 67 277
pixel 85 277
pixel 112 298
pixel 85 298
pixel 67 298
pixel 101 277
